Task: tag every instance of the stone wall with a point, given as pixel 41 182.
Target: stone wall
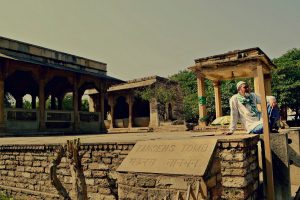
pixel 232 174
pixel 25 170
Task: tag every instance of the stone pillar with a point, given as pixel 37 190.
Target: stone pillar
pixel 267 82
pixel 129 101
pixel 218 101
pixel 91 100
pixel 53 102
pixel 239 168
pixel 60 101
pixel 76 104
pixel 112 105
pixel 42 125
pixel 154 117
pixel 2 96
pixel 33 102
pixel 201 100
pixel 19 101
pixel 256 85
pixel 102 96
pixel 256 91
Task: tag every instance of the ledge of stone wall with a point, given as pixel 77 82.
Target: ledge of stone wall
pixel 24 170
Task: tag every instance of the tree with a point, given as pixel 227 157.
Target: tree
pixel 286 80
pixel 188 83
pixel 164 93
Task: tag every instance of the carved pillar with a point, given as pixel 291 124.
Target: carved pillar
pixel 2 96
pixel 129 101
pixel 218 101
pixel 201 100
pixel 76 104
pixel 42 125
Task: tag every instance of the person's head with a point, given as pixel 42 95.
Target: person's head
pixel 272 101
pixel 242 87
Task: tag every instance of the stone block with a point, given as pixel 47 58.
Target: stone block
pixel 145 181
pixel 98 166
pixel 26 174
pixel 99 174
pixel 233 156
pixel 126 179
pixel 20 169
pixel 90 181
pixel 35 169
pixel 171 182
pixel 235 193
pixel 126 192
pixel 236 182
pixel 97 196
pixel 101 182
pixel 234 164
pixel 106 191
pixel 234 172
pixel 106 160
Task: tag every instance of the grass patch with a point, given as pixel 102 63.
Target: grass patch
pixel 3 196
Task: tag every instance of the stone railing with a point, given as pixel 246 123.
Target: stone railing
pixel 19 114
pixel 89 116
pixel 18 119
pixel 90 121
pixel 58 119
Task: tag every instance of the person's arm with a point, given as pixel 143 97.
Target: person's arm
pixel 234 115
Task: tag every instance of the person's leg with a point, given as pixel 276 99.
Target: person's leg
pixel 258 129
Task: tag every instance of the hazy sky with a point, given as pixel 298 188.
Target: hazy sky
pixel 139 38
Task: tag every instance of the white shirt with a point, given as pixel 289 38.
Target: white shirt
pixel 242 112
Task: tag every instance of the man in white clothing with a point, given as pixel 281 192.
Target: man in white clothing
pixel 243 107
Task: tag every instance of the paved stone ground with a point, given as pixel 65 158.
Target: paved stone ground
pixel 124 137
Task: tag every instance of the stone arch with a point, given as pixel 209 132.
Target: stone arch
pixel 90 89
pixel 20 83
pixel 121 112
pixel 56 90
pixel 141 112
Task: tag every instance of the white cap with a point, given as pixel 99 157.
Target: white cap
pixel 239 84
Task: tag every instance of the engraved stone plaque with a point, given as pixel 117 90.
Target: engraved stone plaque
pixel 184 157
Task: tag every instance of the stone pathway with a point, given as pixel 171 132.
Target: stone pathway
pixel 120 138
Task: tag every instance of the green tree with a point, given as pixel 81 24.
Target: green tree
pixel 286 80
pixel 188 83
pixel 67 103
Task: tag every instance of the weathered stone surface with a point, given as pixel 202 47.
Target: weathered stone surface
pixel 236 181
pixel 189 157
pixel 145 181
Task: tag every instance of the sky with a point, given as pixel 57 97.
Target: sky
pixel 138 38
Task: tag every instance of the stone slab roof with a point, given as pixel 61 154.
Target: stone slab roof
pixel 236 55
pixel 25 52
pixel 233 64
pixel 141 82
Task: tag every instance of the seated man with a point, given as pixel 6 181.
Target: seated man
pixel 243 106
pixel 274 113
